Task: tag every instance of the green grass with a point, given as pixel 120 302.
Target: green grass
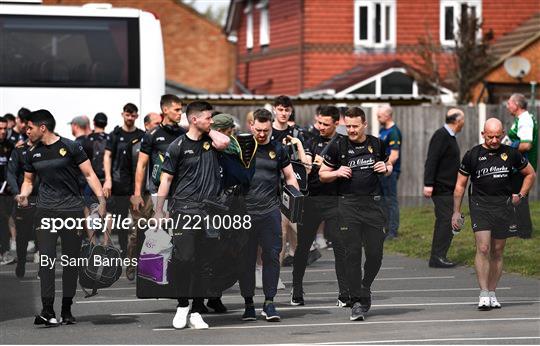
pixel 416 232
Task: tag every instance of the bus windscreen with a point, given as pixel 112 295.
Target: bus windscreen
pixel 59 51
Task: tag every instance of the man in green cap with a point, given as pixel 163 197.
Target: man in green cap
pixel 223 123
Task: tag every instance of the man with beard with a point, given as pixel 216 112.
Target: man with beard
pixel 190 178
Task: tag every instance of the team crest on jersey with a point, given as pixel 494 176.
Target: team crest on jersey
pixel 370 149
pixel 63 151
pixel 272 154
pixel 206 145
pixel 504 156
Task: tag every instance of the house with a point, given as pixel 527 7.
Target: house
pixel 497 83
pixel 198 56
pixel 351 46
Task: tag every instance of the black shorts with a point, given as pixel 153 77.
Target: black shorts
pixel 496 219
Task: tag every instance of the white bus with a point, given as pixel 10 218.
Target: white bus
pixel 80 60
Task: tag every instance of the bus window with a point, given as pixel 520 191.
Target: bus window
pixel 58 51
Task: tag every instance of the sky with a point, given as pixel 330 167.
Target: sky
pixel 202 5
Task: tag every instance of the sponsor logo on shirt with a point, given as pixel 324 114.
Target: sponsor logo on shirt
pixel 272 154
pixel 63 151
pixel 362 163
pixel 206 145
pixel 496 172
pixel 370 149
pixel 160 139
pixel 189 151
pixel 36 155
pixel 504 156
pixel 482 158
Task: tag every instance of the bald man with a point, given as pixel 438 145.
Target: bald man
pixel 490 166
pixel 440 175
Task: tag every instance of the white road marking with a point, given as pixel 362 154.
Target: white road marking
pixel 356 324
pixel 431 340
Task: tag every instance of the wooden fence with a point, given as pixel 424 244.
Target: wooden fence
pixel 417 125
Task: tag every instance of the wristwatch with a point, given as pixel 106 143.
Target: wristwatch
pixel 521 196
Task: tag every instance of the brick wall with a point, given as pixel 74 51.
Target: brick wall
pixel 197 53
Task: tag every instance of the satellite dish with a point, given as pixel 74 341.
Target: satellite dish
pixel 517 66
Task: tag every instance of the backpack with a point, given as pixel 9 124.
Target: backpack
pixel 95 274
pixel 98 152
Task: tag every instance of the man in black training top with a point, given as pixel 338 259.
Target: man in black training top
pixel 18 133
pixel 320 205
pixel 491 202
pixel 262 204
pixel 57 162
pixel 190 178
pixel 6 200
pixel 356 163
pixel 150 159
pixel 24 217
pixel 118 170
pixel 440 174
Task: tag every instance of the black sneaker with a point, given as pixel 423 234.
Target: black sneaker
pixel 270 313
pixel 313 256
pixel 296 301
pixel 366 303
pixel 249 313
pixel 67 318
pixel 356 312
pixel 217 305
pixel 198 306
pixel 46 319
pixel 297 296
pixel 288 261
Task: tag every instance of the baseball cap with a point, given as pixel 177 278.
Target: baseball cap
pixel 223 121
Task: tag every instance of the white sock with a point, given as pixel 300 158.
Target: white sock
pixel 484 293
pixel 491 293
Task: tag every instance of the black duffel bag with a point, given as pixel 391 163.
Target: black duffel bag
pixel 103 268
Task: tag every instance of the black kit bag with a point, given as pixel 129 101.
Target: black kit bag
pixel 96 274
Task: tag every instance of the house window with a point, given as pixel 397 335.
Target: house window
pixel 375 23
pixel 264 26
pixel 393 81
pixel 450 13
pixel 248 11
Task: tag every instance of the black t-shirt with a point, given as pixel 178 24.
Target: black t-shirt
pixel 490 172
pixel 315 146
pixel 361 157
pixel 263 194
pixel 94 146
pixel 15 137
pixel 196 171
pixel 57 166
pixel 279 135
pixel 155 144
pixel 15 173
pixel 5 152
pixel 122 174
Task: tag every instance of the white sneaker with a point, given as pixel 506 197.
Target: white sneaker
pixel 6 259
pixel 180 319
pixel 196 322
pixel 280 285
pixel 36 257
pixel 484 303
pixel 493 302
pixel 258 277
pixel 31 246
pixel 320 243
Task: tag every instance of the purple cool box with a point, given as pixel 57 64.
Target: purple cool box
pixel 151 267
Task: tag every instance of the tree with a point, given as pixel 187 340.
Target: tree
pixel 471 54
pixel 426 72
